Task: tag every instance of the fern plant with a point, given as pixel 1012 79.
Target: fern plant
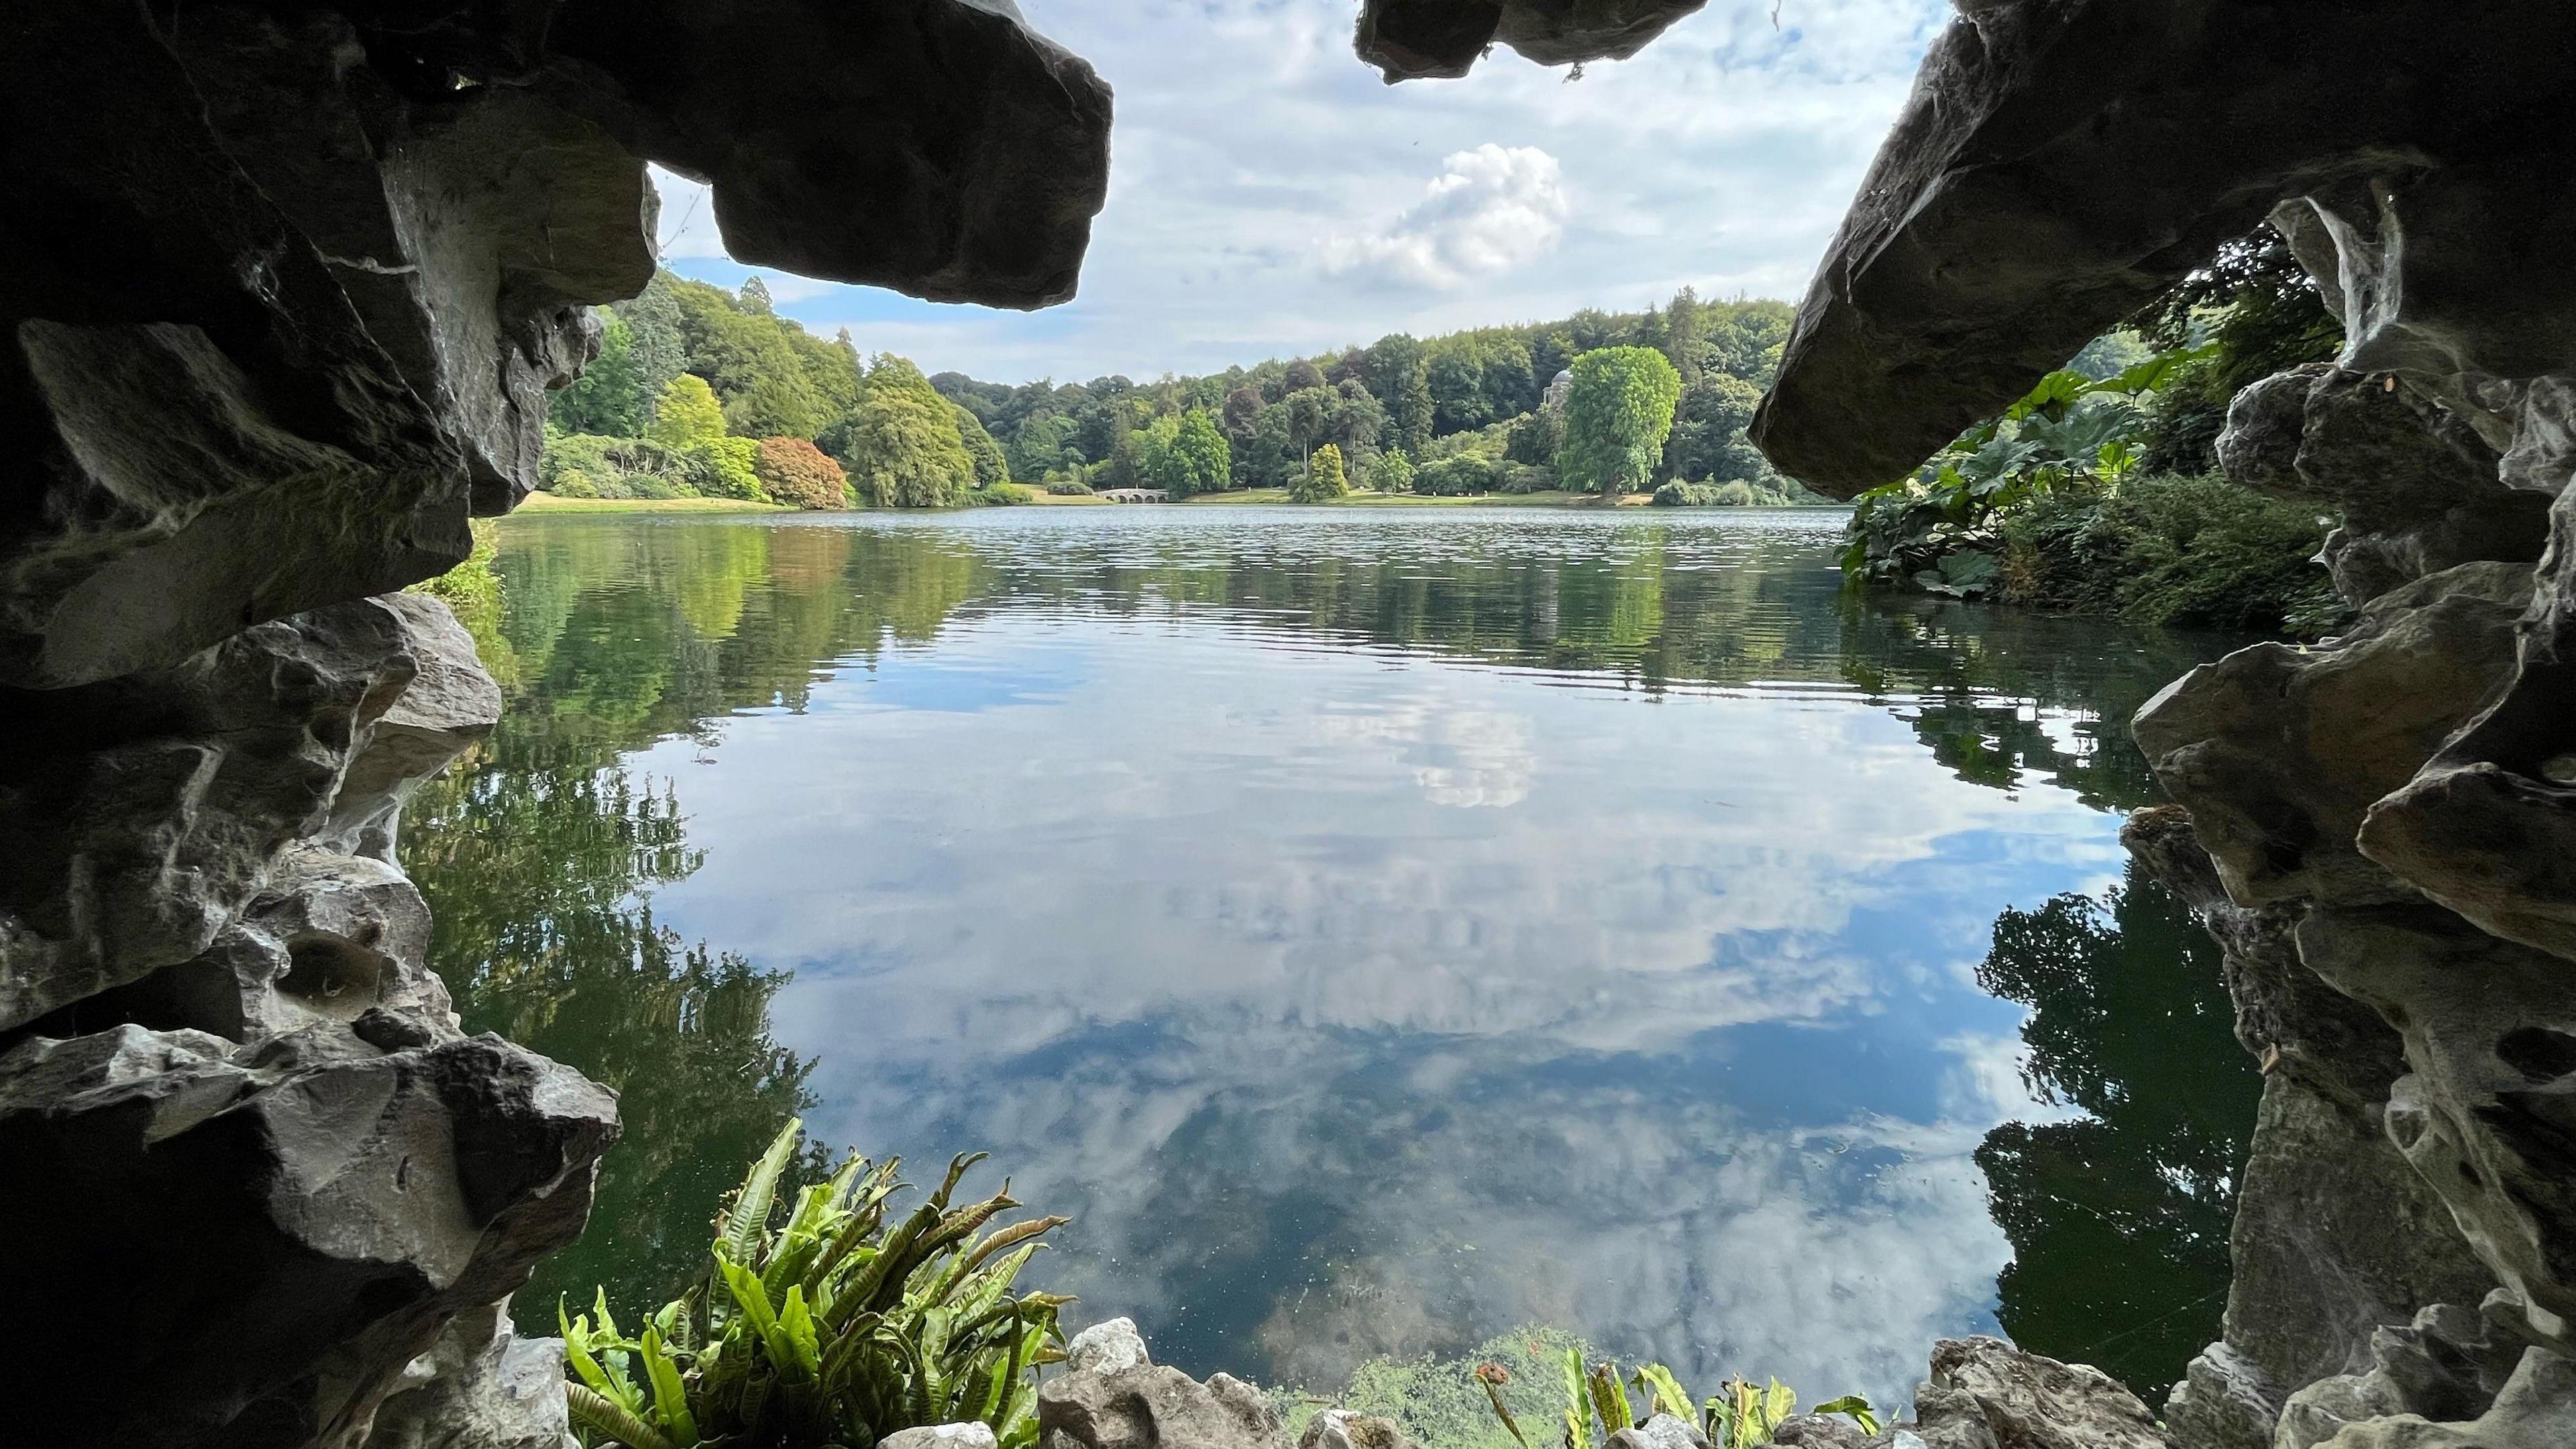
pixel 829 1329
pixel 1741 1417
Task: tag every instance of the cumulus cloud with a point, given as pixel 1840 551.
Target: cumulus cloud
pixel 1489 211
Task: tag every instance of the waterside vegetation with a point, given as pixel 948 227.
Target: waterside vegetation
pixel 2099 491
pixel 702 393
pixel 827 1321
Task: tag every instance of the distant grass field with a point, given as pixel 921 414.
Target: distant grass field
pixel 549 503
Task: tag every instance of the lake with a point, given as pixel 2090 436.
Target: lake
pixel 1379 930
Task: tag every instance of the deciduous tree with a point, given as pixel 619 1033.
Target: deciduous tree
pixel 1616 416
pixel 794 471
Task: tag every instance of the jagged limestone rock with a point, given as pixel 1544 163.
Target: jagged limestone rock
pixel 1112 1396
pixel 2449 1364
pixel 1986 1394
pixel 1342 1429
pixel 2335 1234
pixel 2417 488
pixel 480 1386
pixel 279 1232
pixel 2279 751
pixel 2535 1410
pixel 2061 162
pixel 285 312
pixel 1818 1431
pixel 1108 1347
pixel 1151 1407
pixel 1417 39
pixel 969 1435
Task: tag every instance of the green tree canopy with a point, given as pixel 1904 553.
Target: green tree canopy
pixel 1708 442
pixel 608 399
pixel 990 465
pixel 687 415
pixel 1616 416
pixel 901 445
pixel 1323 479
pixel 1391 472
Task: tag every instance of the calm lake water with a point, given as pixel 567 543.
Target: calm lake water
pixel 1377 929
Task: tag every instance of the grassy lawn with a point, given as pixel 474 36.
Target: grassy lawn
pixel 548 503
pixel 1416 500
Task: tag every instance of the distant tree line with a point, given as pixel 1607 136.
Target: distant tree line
pixel 697 390
pixel 1464 413
pixel 700 391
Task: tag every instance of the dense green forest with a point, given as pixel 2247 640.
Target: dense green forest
pixel 701 391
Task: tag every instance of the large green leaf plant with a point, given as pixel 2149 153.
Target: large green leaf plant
pixel 830 1324
pixel 1937 531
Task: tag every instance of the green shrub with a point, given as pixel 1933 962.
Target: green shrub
pixel 472 591
pixel 1324 481
pixel 2172 550
pixel 829 1327
pixel 1459 475
pixel 2204 551
pixel 730 468
pixel 1524 478
pixel 585 465
pixel 1068 488
pixel 1002 495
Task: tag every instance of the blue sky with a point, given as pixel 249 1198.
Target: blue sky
pixel 1269 195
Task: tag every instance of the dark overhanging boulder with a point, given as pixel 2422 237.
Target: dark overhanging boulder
pixel 2059 165
pixel 1422 39
pixel 2377 829
pixel 285 285
pixel 285 313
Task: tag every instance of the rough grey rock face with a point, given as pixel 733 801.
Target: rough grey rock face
pixel 1109 1347
pixel 480 1386
pixel 301 1185
pixel 1342 1429
pixel 2280 751
pixel 286 311
pixel 969 1435
pixel 1818 1431
pixel 2336 1235
pixel 1660 1431
pixel 283 1227
pixel 2418 489
pixel 2447 1365
pixel 149 810
pixel 1986 1394
pixel 2061 163
pixel 1418 39
pixel 285 288
pixel 2536 1409
pixel 1151 1407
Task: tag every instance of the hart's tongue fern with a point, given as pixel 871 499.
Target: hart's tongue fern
pixel 823 1327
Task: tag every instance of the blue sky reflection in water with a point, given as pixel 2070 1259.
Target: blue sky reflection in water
pixel 1378 929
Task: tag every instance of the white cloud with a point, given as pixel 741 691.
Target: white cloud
pixel 1489 211
pixel 1247 133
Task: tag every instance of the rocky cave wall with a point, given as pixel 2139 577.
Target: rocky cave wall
pixel 2378 828
pixel 285 285
pixel 286 282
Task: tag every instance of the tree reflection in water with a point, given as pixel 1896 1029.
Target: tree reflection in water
pixel 541 854
pixel 2119 1221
